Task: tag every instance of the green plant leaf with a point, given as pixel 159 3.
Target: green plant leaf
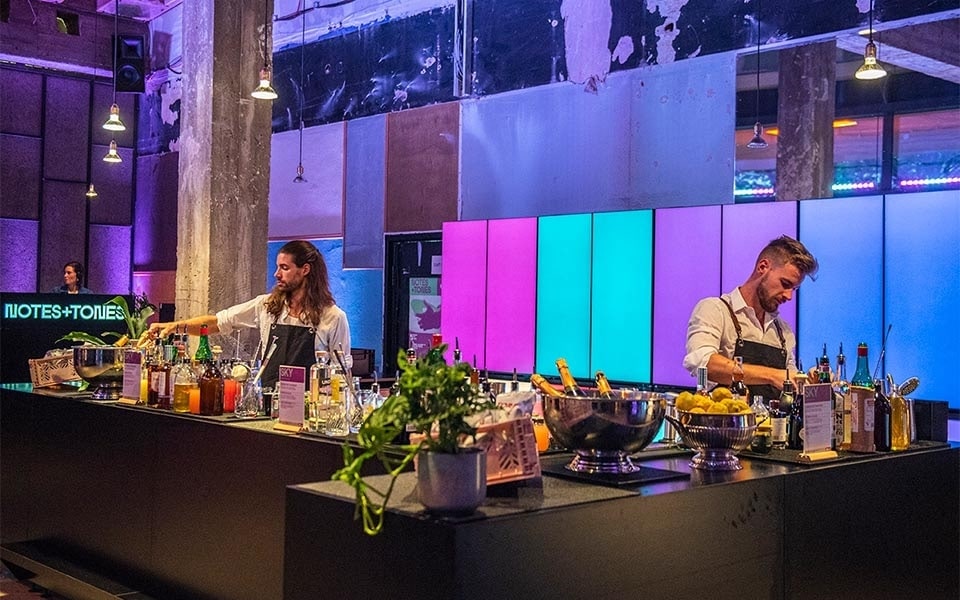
pixel 80 336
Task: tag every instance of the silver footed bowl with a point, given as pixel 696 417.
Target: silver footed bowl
pixel 102 368
pixel 603 432
pixel 716 437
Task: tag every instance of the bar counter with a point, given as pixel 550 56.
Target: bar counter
pixel 177 506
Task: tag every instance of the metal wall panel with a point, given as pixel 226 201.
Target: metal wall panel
pixel 365 184
pixel 686 259
pixel 18 256
pixel 312 209
pixel 66 129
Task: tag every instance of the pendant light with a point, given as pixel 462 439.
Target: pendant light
pixel 757 142
pixel 113 122
pixel 112 156
pixel 303 29
pixel 91 192
pixel 870 69
pixel 265 91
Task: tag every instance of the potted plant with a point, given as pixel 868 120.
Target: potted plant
pixel 135 320
pixel 435 399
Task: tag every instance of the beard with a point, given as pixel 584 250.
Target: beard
pixel 767 302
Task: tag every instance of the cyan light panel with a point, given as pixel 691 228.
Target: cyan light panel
pixel 511 294
pixel 563 293
pixel 845 303
pixel 686 269
pixel 622 290
pixel 922 287
pixel 746 229
pixel 463 289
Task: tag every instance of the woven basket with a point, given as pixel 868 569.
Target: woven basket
pixel 46 372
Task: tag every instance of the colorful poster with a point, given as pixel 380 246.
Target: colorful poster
pixel 424 319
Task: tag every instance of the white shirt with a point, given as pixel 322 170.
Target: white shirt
pixel 711 330
pixel 333 332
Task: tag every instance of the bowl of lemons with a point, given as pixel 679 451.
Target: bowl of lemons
pixel 717 426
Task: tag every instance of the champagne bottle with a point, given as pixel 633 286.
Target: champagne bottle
pixel 881 419
pixel 544 386
pixel 203 352
pixel 570 386
pixel 603 385
pixel 861 377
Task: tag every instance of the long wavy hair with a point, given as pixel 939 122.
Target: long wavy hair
pixel 316 284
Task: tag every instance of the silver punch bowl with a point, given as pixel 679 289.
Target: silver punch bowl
pixel 603 432
pixel 102 368
pixel 716 437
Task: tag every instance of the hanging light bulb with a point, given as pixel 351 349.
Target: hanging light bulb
pixel 299 178
pixel 112 156
pixel 114 123
pixel 757 141
pixel 265 91
pixel 870 69
pixel 91 192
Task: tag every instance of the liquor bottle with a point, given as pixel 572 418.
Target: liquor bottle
pixel 163 380
pixel 603 385
pixel 457 357
pixel 570 386
pixel 336 423
pixel 795 423
pixel 544 386
pixel 154 363
pixel 203 352
pixel 184 383
pixel 514 383
pixel 881 419
pixel 899 421
pixel 737 387
pixel 211 388
pixel 823 367
pixel 761 411
pixel 319 382
pixel 861 377
pixel 778 415
pixel 841 366
pixel 702 382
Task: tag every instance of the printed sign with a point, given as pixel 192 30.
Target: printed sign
pixel 132 365
pixel 292 387
pixel 424 318
pixel 817 417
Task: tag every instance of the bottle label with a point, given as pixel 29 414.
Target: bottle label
pixel 868 416
pixel 778 429
pixel 854 413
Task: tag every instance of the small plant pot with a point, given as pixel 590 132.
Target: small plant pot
pixel 452 483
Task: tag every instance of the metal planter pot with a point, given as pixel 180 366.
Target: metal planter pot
pixel 452 483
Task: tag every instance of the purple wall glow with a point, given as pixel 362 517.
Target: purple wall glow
pixel 686 255
pixel 463 292
pixel 18 256
pixel 747 228
pixel 511 294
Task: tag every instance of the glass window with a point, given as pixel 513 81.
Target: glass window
pixel 927 151
pixel 857 155
pixel 756 168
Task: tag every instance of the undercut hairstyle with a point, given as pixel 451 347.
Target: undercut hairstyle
pixel 786 250
pixel 317 296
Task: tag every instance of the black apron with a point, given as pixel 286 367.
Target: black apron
pixel 295 347
pixel 755 353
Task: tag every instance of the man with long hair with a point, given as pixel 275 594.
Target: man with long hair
pixel 746 323
pixel 298 317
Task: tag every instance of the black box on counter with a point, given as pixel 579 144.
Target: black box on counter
pixel 931 419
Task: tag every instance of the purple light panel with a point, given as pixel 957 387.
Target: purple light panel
pixel 511 294
pixel 463 291
pixel 746 229
pixel 686 255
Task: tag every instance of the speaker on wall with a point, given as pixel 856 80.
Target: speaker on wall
pixel 131 60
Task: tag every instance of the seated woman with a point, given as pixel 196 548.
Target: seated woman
pixel 72 276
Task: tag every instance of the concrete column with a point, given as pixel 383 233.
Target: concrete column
pixel 805 112
pixel 224 177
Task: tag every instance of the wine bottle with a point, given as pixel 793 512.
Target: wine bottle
pixel 881 418
pixel 211 389
pixel 603 385
pixel 203 352
pixel 861 377
pixel 823 366
pixel 544 386
pixel 570 386
pixel 778 420
pixel 795 423
pixel 737 387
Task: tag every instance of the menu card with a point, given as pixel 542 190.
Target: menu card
pixel 817 419
pixel 292 386
pixel 132 365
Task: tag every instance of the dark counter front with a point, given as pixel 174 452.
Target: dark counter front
pixel 876 528
pixel 175 506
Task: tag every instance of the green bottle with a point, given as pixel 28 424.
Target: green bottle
pixel 203 350
pixel 861 377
